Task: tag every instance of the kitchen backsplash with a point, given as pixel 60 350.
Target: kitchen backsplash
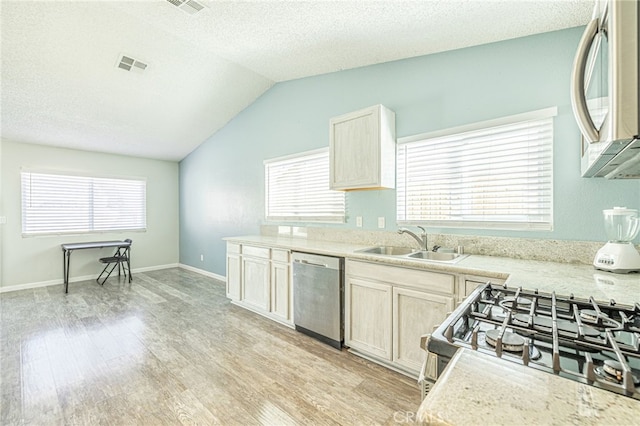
pixel 517 248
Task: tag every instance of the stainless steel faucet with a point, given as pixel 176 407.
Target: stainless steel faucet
pixel 422 239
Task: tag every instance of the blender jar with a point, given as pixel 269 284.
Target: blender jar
pixel 621 224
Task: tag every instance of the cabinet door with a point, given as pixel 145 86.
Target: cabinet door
pixel 354 150
pixel 255 282
pixel 415 313
pixel 281 290
pixel 233 276
pixel 368 317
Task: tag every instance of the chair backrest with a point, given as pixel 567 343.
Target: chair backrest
pixel 124 254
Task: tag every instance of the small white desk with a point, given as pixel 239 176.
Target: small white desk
pixel 67 249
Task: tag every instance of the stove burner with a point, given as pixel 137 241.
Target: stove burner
pixel 497 313
pixel 510 341
pixel 522 302
pixel 613 368
pixel 612 371
pixel 545 324
pixel 592 316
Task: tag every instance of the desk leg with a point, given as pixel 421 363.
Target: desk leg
pixel 129 261
pixel 66 263
pixel 64 268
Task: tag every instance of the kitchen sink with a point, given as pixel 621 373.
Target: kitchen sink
pixel 388 250
pixel 437 256
pixel 414 254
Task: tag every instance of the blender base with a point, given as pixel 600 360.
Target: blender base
pixel 619 258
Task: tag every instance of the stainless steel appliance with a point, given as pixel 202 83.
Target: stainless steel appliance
pixel 318 295
pixel 604 91
pixel 593 343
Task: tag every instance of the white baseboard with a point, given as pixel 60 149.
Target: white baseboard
pixel 39 284
pixel 28 286
pixel 155 268
pixel 203 272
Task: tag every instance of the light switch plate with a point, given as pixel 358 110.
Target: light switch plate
pixel 359 221
pixel 381 222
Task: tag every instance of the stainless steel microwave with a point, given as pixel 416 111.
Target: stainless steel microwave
pixel 604 91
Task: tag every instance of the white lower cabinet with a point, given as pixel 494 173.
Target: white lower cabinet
pixel 414 314
pixel 368 321
pixel 281 300
pixel 259 279
pixel 388 308
pixel 234 271
pixel 255 282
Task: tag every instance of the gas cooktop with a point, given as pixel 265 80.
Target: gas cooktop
pixel 597 343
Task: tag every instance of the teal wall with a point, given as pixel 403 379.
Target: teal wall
pixel 221 183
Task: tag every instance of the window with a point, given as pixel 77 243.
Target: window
pixel 297 189
pixel 57 203
pixel 495 174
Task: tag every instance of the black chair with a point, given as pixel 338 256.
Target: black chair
pixel 120 259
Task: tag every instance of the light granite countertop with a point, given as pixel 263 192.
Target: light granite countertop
pixel 477 388
pixel 563 278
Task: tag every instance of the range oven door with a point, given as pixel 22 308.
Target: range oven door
pixel 432 367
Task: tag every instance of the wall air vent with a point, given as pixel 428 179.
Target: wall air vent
pixel 127 63
pixel 189 6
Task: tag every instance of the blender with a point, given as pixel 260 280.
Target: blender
pixel 619 255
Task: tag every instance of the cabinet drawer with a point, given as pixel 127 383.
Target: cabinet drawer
pixel 411 278
pixel 468 283
pixel 261 252
pixel 280 255
pixel 233 248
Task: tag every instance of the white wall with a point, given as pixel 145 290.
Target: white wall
pixel 32 261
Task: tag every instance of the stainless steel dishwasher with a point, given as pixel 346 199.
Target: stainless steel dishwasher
pixel 318 294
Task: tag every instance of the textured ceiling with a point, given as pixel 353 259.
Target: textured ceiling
pixel 60 84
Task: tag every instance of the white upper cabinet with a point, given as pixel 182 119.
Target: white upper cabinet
pixel 362 149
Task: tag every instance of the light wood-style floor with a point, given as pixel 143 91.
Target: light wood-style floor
pixel 169 348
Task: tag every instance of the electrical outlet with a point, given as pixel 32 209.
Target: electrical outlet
pixel 381 222
pixel 359 221
pixel 202 258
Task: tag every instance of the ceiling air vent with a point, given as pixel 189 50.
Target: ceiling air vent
pixel 190 6
pixel 127 63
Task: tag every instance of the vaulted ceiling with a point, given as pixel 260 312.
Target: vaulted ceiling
pixel 195 64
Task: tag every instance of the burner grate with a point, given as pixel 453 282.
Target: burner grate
pixel 567 336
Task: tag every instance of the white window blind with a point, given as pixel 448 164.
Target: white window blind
pixel 297 189
pixel 56 203
pixel 495 174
